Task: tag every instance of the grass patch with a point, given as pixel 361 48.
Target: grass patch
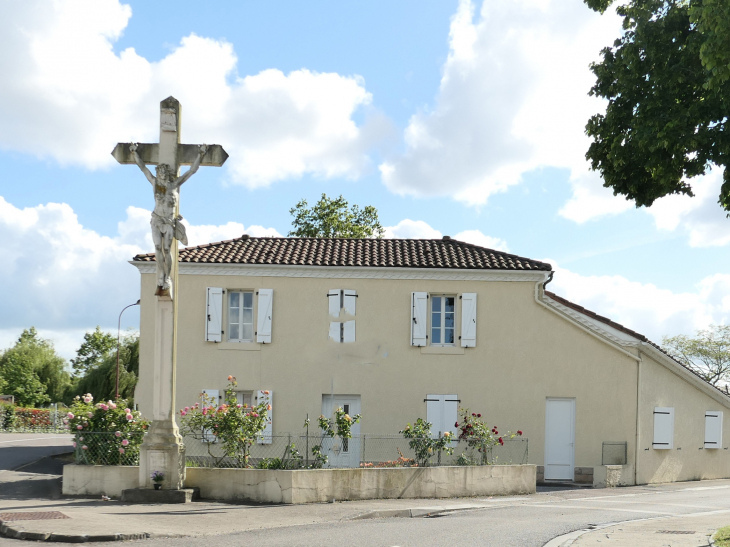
pixel 722 537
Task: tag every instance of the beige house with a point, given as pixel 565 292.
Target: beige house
pixel 399 329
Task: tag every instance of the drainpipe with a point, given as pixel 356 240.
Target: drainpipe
pixel 638 420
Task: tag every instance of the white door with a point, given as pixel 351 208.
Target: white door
pixel 559 439
pixel 342 452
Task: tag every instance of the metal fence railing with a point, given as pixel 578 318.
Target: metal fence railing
pixel 31 420
pixel 292 451
pixel 106 448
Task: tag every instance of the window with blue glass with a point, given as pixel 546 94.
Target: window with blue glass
pixel 442 320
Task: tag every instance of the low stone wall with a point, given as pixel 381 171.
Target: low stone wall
pixel 319 485
pixel 95 480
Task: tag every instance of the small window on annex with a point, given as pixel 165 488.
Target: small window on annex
pixel 240 316
pixel 442 320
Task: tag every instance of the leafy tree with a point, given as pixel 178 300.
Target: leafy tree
pixel 333 218
pixel 100 379
pixel 33 370
pixel 707 354
pixel 95 349
pixel 667 82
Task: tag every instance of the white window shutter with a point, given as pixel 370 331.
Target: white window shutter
pixel 350 301
pixel 266 396
pixel 434 413
pixel 348 333
pixel 333 301
pixel 213 314
pixel 663 428
pixel 419 310
pixel 263 317
pixel 334 334
pixel 450 414
pixel 713 429
pixel 468 320
pixel 211 396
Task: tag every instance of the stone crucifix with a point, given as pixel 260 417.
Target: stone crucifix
pixel 168 156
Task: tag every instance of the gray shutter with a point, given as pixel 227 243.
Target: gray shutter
pixel 213 314
pixel 265 306
pixel 333 302
pixel 350 301
pixel 348 332
pixel 434 413
pixel 713 429
pixel 264 397
pixel 468 320
pixel 419 311
pixel 334 333
pixel 213 398
pixel 663 428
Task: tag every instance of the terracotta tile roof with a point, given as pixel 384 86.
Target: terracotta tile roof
pixel 395 253
pixel 628 331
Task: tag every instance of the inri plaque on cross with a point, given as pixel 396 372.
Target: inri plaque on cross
pixel 168 156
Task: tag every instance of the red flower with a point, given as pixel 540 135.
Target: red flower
pixel 473 414
pixel 519 432
pixel 501 441
pixel 456 424
pixel 479 415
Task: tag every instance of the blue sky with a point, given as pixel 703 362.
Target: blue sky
pixel 456 118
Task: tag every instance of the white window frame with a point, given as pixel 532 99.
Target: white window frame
pixel 240 292
pixel 431 297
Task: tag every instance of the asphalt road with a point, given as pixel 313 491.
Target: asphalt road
pixel 20 449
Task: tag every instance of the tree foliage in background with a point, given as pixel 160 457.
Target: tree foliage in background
pixel 33 372
pixel 95 349
pixel 99 379
pixel 667 82
pixel 707 354
pixel 334 218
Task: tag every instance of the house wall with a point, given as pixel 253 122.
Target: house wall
pixel 688 459
pixel 524 354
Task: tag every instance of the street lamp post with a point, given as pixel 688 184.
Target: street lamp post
pixel 119 331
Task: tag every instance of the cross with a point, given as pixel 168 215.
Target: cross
pixel 166 226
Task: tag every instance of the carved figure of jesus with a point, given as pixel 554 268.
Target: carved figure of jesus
pixel 165 221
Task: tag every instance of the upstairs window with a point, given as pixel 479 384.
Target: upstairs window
pixel 442 320
pixel 240 316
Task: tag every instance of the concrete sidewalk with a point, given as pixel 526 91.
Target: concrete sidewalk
pixel 675 531
pixel 95 520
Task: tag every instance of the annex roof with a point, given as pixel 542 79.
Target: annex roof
pixel 383 253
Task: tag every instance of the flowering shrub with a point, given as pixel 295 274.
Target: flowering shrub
pixel 236 426
pixel 423 444
pixel 107 433
pixel 478 436
pixel 157 476
pixel 340 427
pixel 32 418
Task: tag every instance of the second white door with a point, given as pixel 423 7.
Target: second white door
pixel 559 439
pixel 342 452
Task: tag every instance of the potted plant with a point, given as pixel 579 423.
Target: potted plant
pixel 157 478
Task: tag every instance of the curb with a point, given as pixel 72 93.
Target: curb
pixel 19 533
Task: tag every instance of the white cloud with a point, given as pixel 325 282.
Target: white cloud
pixel 412 229
pixel 513 97
pixel 644 307
pixel 64 278
pixel 478 238
pixel 700 216
pixel 67 95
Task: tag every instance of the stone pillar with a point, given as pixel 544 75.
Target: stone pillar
pixel 163 448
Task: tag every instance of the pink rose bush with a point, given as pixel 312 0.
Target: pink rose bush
pixel 111 433
pixel 234 426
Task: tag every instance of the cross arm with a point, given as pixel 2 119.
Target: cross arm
pixel 186 154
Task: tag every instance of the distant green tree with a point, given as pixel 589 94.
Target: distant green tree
pixel 33 370
pixel 707 354
pixel 666 81
pixel 334 218
pixel 95 349
pixel 99 380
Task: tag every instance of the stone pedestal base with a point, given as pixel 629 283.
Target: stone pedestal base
pixel 162 450
pixel 145 495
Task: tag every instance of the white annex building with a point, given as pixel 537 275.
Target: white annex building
pixel 398 329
